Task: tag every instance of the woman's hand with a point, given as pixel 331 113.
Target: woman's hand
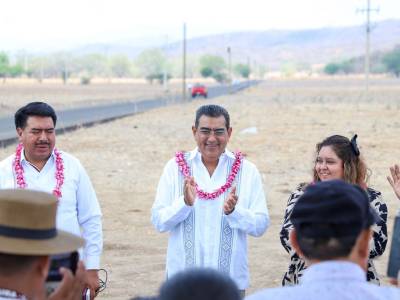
pixel 395 179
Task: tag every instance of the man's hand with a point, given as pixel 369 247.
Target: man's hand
pixel 230 202
pixel 395 179
pixel 92 282
pixel 71 286
pixel 189 191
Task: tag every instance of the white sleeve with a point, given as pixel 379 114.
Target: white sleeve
pixel 169 208
pixel 89 218
pixel 253 218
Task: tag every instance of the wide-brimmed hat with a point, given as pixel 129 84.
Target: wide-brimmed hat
pixel 333 209
pixel 28 225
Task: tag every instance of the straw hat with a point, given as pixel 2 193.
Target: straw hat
pixel 28 225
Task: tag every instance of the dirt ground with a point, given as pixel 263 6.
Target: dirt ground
pixel 125 158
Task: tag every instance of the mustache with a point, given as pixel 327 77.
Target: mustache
pixel 42 143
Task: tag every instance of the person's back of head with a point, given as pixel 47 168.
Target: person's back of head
pixel 199 284
pixel 329 218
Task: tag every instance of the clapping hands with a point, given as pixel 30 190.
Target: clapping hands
pixel 189 196
pixel 230 202
pixel 394 179
pixel 189 191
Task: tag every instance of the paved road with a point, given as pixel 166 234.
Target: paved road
pixel 84 116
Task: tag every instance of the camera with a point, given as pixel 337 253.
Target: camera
pixel 66 260
pixel 394 257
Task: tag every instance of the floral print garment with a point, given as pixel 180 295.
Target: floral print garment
pixel 377 245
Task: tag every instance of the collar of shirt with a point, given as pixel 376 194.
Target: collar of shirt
pixel 333 270
pixel 24 159
pixel 194 153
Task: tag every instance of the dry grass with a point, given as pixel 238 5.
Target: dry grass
pixel 16 94
pixel 125 159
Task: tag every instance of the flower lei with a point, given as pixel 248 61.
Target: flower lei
pixel 185 170
pixel 59 174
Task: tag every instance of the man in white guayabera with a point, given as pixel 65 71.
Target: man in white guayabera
pixel 209 199
pixel 38 165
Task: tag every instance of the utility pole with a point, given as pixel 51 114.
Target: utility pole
pixel 230 68
pixel 65 72
pixel 41 70
pixel 165 79
pixel 248 66
pixel 25 62
pixel 108 71
pixel 184 64
pixel 367 11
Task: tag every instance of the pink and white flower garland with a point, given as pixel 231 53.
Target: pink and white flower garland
pixel 19 171
pixel 185 170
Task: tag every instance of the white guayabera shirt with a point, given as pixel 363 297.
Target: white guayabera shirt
pixel 331 280
pixel 202 235
pixel 78 207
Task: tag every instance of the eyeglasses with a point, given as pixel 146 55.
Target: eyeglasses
pixel 217 131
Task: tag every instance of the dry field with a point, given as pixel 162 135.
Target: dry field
pixel 14 94
pixel 125 159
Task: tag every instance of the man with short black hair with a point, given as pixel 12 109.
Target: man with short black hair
pixel 199 284
pixel 332 229
pixel 209 200
pixel 38 165
pixel 28 236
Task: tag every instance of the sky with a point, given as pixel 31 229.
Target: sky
pixel 40 25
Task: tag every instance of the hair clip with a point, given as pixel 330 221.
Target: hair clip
pixel 354 147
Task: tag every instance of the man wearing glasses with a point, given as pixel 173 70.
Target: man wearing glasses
pixel 209 199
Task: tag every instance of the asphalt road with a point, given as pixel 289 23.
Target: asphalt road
pixel 71 119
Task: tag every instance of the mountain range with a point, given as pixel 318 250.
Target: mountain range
pixel 272 48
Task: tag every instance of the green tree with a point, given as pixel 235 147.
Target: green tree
pixel 60 64
pixel 332 68
pixel 214 66
pixel 152 64
pixel 36 67
pixel 15 70
pixel 93 65
pixel 206 72
pixel 4 65
pixel 220 77
pixel 392 61
pixel 347 66
pixel 243 70
pixel 120 66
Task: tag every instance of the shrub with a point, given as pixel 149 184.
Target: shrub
pixel 85 80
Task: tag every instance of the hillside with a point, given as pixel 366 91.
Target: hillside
pixel 274 48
